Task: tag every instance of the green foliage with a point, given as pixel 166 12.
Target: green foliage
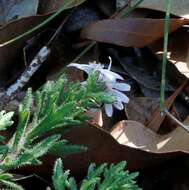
pixel 6 180
pixel 103 177
pixel 5 120
pixel 61 179
pixel 62 148
pixel 57 105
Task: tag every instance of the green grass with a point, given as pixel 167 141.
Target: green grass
pixel 164 63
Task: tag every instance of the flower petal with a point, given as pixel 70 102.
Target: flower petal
pixel 108 110
pixel 110 75
pixel 118 105
pixel 84 67
pixel 96 66
pixel 120 96
pixel 121 86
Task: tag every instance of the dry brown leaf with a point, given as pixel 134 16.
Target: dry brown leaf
pixel 141 108
pixel 178 50
pixel 9 54
pixel 99 117
pixel 130 32
pixel 95 117
pixel 136 135
pixel 156 118
pixel 178 8
pixel 102 147
pixel 47 6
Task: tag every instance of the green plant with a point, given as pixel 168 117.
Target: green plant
pixel 103 177
pixel 165 51
pixel 57 105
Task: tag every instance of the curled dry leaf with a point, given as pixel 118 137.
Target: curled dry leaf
pixel 178 8
pixel 130 32
pixel 136 135
pixel 101 147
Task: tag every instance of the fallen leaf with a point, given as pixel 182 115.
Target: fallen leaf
pixel 80 17
pixel 101 147
pixel 9 54
pixel 178 8
pixel 130 32
pixel 121 3
pixel 141 108
pixel 178 50
pixel 95 117
pixel 142 73
pixel 13 9
pixel 108 7
pixel 156 119
pixel 136 135
pixel 48 6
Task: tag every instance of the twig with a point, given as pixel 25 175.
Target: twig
pixel 35 64
pixel 29 71
pixel 186 127
pixel 163 75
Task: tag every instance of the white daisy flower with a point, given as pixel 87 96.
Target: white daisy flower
pixel 109 78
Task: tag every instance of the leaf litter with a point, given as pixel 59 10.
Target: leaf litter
pixel 139 134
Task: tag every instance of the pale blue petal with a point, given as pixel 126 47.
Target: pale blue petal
pixel 108 110
pixel 96 66
pixel 84 67
pixel 118 105
pixel 121 86
pixel 110 75
pixel 120 96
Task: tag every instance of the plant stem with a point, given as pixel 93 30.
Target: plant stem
pixel 165 48
pixel 45 22
pixel 186 127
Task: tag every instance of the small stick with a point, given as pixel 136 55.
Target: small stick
pixel 171 116
pixel 29 71
pixel 35 64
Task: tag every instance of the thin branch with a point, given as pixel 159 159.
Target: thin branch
pixel 171 116
pixel 35 64
pixel 29 71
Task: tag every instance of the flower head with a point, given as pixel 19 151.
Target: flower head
pixel 112 86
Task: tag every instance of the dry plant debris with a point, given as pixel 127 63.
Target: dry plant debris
pixel 40 38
